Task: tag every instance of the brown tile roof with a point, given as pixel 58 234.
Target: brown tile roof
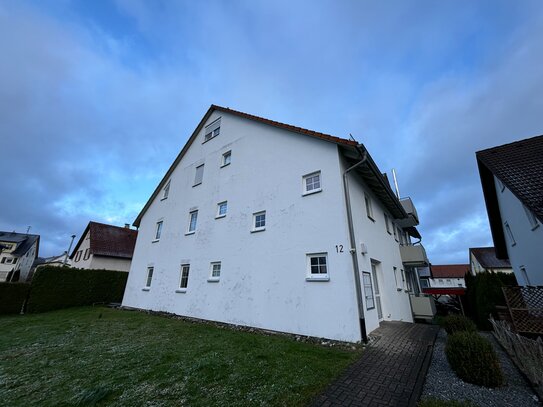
pixel 486 256
pixel 449 270
pixel 519 166
pixel 109 240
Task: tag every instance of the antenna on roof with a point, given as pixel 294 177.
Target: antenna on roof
pixel 28 229
pixel 351 137
pixel 395 183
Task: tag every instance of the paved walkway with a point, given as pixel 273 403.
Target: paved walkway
pixel 390 371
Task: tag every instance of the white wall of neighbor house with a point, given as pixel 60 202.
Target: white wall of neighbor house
pixel 83 258
pixel 523 237
pixel 447 282
pixel 22 263
pixel 476 267
pixel 110 263
pixel 263 274
pixel 383 250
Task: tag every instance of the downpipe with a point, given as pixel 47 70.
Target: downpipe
pixel 356 268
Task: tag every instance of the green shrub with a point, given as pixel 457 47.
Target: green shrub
pixel 473 359
pixel 12 297
pixel 457 323
pixel 63 287
pixel 484 293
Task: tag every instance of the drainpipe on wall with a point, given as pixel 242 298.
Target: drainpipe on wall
pixel 356 269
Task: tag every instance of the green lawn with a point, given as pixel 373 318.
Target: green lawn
pixel 100 356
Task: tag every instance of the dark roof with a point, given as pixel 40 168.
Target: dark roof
pixel 449 270
pixel 372 175
pixel 519 166
pixel 486 256
pixel 109 240
pixel 24 241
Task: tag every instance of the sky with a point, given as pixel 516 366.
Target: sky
pixel 98 97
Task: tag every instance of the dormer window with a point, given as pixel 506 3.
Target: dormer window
pixel 212 130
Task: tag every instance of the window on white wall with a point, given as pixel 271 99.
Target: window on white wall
pixel 395 232
pixel 215 271
pixel 404 282
pixel 369 208
pixel 312 183
pixel 387 224
pixel 259 221
pixel 395 270
pixel 149 277
pixel 524 275
pixel 212 130
pixel 534 223
pixel 87 254
pixel 317 266
pixel 158 230
pixel 199 175
pixel 222 208
pixel 368 290
pixel 226 159
pixel 166 191
pixel 193 220
pixel 184 276
pixel 78 255
pixel 509 234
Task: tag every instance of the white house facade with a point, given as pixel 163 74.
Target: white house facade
pixel 512 180
pixel 250 227
pixel 17 254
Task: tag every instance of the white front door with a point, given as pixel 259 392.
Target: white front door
pixel 375 276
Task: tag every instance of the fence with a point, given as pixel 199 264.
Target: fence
pixel 526 353
pixel 525 306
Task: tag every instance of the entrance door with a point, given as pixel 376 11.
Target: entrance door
pixel 376 289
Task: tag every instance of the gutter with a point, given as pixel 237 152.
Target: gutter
pixel 356 268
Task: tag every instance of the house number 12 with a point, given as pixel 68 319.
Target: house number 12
pixel 339 248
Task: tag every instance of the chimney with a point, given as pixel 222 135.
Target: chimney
pixel 127 225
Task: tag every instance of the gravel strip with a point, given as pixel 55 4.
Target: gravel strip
pixel 442 383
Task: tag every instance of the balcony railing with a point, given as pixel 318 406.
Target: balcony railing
pixel 414 255
pixel 412 215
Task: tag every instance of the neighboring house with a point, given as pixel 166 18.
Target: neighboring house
pixel 17 254
pixel 263 224
pixel 483 259
pixel 512 181
pixel 445 276
pixel 61 260
pixel 104 247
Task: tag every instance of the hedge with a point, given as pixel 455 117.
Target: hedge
pixel 458 323
pixel 484 293
pixel 62 287
pixel 473 359
pixel 12 297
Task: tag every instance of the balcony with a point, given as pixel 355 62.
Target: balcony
pixel 412 216
pixel 414 256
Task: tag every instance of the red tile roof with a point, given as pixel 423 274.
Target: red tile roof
pixel 486 256
pixel 449 270
pixel 109 240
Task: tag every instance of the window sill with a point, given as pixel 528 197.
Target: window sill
pixel 535 227
pixel 213 280
pixel 190 233
pixel 146 289
pixel 163 199
pixel 195 185
pixel 156 240
pixel 317 279
pixel 220 216
pixel 398 289
pixel 209 139
pixel 181 290
pixel 258 230
pixel 370 218
pixel 225 165
pixel 313 191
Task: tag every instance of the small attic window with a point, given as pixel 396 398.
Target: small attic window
pixel 166 191
pixel 212 130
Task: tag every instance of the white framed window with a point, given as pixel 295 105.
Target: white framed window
pixel 259 221
pixel 184 277
pixel 369 208
pixel 78 255
pixel 317 267
pixel 212 130
pixel 404 282
pixel 158 230
pixel 222 208
pixel 226 158
pixel 312 183
pixel 395 270
pixel 199 175
pixel 166 190
pixel 87 254
pixel 424 283
pixel 534 223
pixel 214 271
pixel 368 290
pixel 387 224
pixel 149 278
pixel 509 233
pixel 501 185
pixel 395 232
pixel 398 234
pixel 193 221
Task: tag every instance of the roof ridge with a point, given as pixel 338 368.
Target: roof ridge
pixel 509 144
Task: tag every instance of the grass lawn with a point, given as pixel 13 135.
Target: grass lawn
pixel 100 356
